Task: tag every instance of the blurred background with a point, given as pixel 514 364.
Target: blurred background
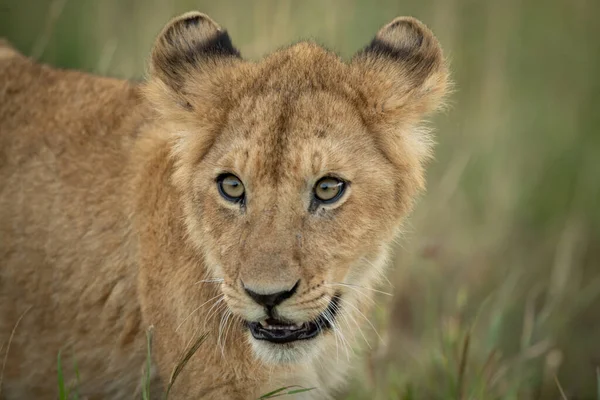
pixel 496 281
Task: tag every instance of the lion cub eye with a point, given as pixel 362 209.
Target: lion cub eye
pixel 231 187
pixel 329 190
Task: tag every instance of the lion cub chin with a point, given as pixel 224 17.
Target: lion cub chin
pixel 242 209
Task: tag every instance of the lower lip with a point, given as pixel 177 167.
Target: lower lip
pixel 309 330
pixel 280 336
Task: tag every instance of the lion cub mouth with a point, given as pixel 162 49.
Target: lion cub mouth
pixel 278 331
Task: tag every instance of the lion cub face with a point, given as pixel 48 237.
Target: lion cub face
pixel 296 171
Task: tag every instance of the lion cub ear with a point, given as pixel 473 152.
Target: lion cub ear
pixel 403 76
pixel 189 47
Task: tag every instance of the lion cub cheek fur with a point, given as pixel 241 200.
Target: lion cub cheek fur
pixel 123 221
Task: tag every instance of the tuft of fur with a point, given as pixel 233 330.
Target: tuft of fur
pixel 6 50
pixel 111 220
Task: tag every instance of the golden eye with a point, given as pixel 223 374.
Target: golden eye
pixel 231 187
pixel 329 190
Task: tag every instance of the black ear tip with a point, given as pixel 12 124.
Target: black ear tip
pixel 192 21
pixel 193 34
pixel 187 41
pixel 219 45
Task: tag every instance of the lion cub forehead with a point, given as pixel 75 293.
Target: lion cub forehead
pixel 289 120
pixel 302 55
pixel 302 135
pixel 302 66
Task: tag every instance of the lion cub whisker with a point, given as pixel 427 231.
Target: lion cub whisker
pixel 215 310
pixel 344 314
pixel 362 315
pixel 213 280
pixel 345 345
pixel 224 318
pixel 196 309
pixel 344 317
pixel 349 285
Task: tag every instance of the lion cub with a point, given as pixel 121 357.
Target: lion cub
pixel 251 202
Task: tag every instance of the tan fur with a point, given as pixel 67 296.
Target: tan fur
pixel 111 221
pixel 6 51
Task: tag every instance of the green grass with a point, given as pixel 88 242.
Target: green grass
pixel 62 391
pixel 66 392
pixel 148 367
pixel 183 362
pixel 284 391
pixel 497 285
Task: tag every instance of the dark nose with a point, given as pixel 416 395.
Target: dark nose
pixel 272 299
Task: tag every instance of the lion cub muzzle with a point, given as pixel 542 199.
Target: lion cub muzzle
pixel 278 329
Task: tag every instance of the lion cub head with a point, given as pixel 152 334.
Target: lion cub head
pixel 295 171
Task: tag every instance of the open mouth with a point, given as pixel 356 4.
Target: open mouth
pixel 277 331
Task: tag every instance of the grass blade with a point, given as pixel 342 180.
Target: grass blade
pixel 462 368
pixel 274 392
pixel 598 382
pixel 563 396
pixel 280 392
pixel 146 385
pixel 62 392
pixel 179 367
pixel 77 380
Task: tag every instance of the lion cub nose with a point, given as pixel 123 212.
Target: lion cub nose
pixel 270 300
